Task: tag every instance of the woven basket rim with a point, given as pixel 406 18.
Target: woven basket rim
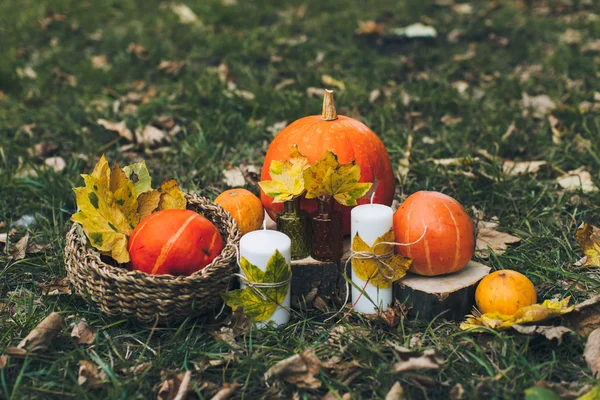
pixel 220 262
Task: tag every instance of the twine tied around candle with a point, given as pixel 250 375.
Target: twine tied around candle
pixel 382 267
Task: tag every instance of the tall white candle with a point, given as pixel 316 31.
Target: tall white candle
pixel 370 221
pixel 258 247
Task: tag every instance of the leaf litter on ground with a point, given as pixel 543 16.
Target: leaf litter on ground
pixel 40 337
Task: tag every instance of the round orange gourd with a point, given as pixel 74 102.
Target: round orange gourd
pixel 176 242
pixel 449 240
pixel 349 139
pixel 244 207
pixel 505 292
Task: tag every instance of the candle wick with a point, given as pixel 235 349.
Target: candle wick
pixel 372 196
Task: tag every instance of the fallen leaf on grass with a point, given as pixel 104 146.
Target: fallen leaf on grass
pixel 328 80
pixel 509 131
pixel 63 79
pixel 55 287
pixel 558 130
pixel 19 249
pixel 592 352
pixel 463 8
pixel 550 332
pixel 138 51
pixel 515 168
pixel 43 149
pixel 293 41
pixel 3 361
pixel 136 369
pixel 226 391
pixel 176 388
pixel 396 392
pixel 185 14
pixel 299 370
pixel 571 36
pixel 284 83
pixel 315 92
pixel 26 72
pixel 100 62
pixel 489 240
pixel 588 237
pixel 414 31
pixel 413 360
pixel 40 337
pixel 119 127
pixel 240 175
pixel 593 46
pixel 91 376
pixel 457 392
pixel 150 135
pixel 450 120
pixel 57 164
pixel 468 55
pixel 578 179
pixel 83 333
pixel 370 28
pixel 170 67
pixel 540 105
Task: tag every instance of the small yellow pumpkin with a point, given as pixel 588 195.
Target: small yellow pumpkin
pixel 244 207
pixel 505 292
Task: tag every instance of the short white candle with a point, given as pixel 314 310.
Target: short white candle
pixel 370 221
pixel 258 247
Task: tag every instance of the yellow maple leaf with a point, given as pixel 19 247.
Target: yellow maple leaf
pixel 381 272
pixel 147 203
pixel 527 315
pixel 326 178
pixel 287 179
pixel 588 237
pixel 171 196
pixel 124 195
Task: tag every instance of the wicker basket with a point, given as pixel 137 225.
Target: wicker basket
pixel 134 294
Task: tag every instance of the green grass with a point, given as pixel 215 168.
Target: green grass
pixel 218 131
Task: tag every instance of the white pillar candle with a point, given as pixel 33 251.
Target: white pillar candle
pixel 370 221
pixel 258 247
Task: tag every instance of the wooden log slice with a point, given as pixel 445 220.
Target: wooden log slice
pixel 447 296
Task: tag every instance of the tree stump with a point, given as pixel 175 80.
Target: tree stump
pixel 312 279
pixel 447 296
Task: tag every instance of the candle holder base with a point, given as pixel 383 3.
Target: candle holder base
pixel 449 297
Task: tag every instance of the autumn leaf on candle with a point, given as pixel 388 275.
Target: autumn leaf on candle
pixel 326 178
pixel 257 308
pixel 588 237
pixel 526 315
pixel 110 206
pixel 287 179
pixel 381 271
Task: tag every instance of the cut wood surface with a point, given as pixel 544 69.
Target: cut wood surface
pixel 448 296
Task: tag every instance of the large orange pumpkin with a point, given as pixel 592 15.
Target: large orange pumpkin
pixel 349 139
pixel 245 208
pixel 504 292
pixel 449 239
pixel 176 242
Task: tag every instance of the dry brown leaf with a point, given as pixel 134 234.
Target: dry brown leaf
pixel 284 83
pixel 396 392
pixel 586 316
pixel 226 391
pixel 454 35
pixel 328 80
pixel 63 79
pixel 414 361
pixel 571 36
pixel 511 129
pixel 119 127
pixel 515 168
pixel 150 135
pixel 592 352
pixel 457 392
pixel 185 14
pixel 170 67
pixel 540 105
pixel 101 62
pixel 450 120
pixel 138 51
pixel 463 8
pixel 137 369
pixel 19 249
pixel 3 361
pixel 370 28
pixel 557 129
pixel 41 336
pixel 374 95
pixel 176 388
pixel 26 72
pixel 51 16
pixel 489 240
pixel 293 41
pixel 578 179
pixel 83 333
pixel 315 92
pixel 227 335
pixel 57 164
pixel 550 332
pixel 43 149
pixel 240 175
pixel 468 55
pixel 90 375
pixel 593 46
pixel 55 287
pixel 299 370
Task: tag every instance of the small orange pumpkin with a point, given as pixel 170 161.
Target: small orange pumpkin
pixel 244 207
pixel 504 292
pixel 174 241
pixel 449 241
pixel 347 138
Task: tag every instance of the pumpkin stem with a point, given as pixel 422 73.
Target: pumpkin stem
pixel 329 113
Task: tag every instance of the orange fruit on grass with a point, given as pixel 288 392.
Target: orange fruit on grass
pixel 449 241
pixel 505 292
pixel 245 208
pixel 176 242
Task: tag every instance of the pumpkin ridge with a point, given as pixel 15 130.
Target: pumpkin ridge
pixel 164 252
pixel 457 249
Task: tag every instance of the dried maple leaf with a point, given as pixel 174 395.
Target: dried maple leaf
pixel 578 179
pixel 150 135
pixel 413 360
pixel 40 337
pixel 19 249
pixel 287 177
pixel 527 315
pixel 383 271
pixel 592 352
pixel 299 370
pixel 83 333
pixel 171 196
pixel 91 376
pixel 138 50
pixel 57 286
pixel 119 127
pixel 588 237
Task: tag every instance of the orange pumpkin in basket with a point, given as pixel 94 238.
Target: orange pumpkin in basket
pixel 505 292
pixel 176 242
pixel 245 208
pixel 449 239
pixel 346 137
